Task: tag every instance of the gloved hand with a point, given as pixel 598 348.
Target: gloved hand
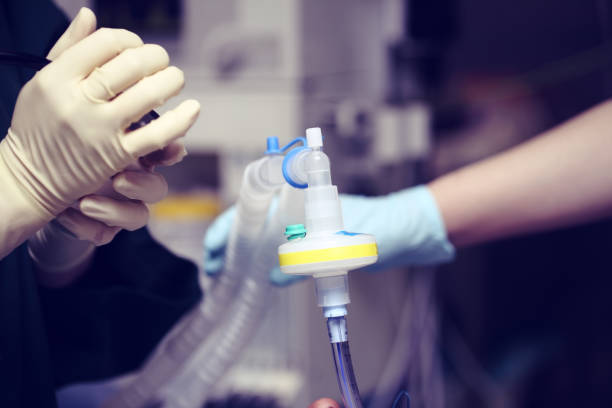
pixel 120 204
pixel 67 134
pixel 407 225
pixel 61 250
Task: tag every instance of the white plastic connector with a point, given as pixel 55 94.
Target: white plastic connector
pixel 333 294
pixel 314 137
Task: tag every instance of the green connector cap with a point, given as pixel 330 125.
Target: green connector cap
pixel 295 231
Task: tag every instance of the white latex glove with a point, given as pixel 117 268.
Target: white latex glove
pixel 121 204
pixel 67 135
pixel 61 250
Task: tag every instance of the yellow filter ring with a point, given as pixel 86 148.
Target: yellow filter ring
pixel 328 254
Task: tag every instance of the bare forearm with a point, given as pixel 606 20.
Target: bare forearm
pixel 563 177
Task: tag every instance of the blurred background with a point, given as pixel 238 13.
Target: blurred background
pixel 404 90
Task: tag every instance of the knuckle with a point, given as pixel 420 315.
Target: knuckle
pixel 94 88
pixel 65 112
pixel 127 33
pixel 108 39
pixel 132 61
pixel 116 38
pixel 43 82
pixel 106 35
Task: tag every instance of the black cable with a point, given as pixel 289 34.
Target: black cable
pixel 23 60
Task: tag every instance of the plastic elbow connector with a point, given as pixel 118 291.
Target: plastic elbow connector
pixel 333 294
pixel 293 168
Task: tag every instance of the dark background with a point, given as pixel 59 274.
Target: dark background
pixel 535 311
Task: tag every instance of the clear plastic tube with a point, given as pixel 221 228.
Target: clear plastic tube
pixel 219 352
pixel 342 360
pixel 260 183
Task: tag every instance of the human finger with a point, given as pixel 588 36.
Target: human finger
pixel 84 23
pixel 92 51
pixel 146 186
pixel 121 72
pixel 162 131
pixel 129 215
pixel 324 403
pixel 168 156
pixel 147 94
pixel 86 228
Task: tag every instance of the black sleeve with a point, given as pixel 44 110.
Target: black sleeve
pixel 109 321
pixel 30 26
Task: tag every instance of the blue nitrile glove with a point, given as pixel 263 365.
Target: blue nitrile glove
pixel 407 225
pixel 215 242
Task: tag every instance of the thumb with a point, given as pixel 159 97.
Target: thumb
pixel 83 24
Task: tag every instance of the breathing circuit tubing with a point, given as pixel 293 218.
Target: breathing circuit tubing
pixel 345 374
pixel 216 356
pixel 214 329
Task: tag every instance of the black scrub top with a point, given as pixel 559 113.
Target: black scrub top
pixel 108 321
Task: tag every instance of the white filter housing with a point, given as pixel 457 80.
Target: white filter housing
pixel 327 255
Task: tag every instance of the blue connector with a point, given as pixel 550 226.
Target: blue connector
pixel 272 146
